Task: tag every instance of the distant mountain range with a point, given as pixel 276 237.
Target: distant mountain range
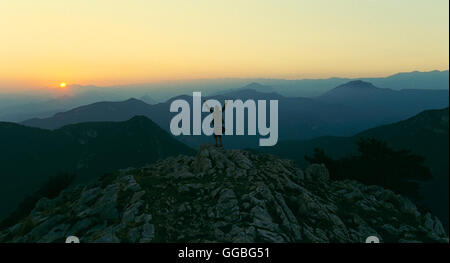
pixel 19 107
pixel 427 134
pixel 315 87
pixel 28 155
pixel 99 111
pixel 413 80
pixel 431 80
pixel 343 111
pixel 382 104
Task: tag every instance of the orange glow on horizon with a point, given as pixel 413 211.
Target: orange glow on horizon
pixel 110 43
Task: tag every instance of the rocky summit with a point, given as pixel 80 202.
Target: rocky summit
pixel 225 196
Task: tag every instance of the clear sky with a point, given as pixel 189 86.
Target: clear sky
pixel 109 42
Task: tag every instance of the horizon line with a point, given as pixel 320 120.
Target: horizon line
pixel 252 78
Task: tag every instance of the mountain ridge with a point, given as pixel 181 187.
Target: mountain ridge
pixel 98 111
pixel 338 113
pixel 38 105
pixel 225 196
pixel 425 134
pixel 86 149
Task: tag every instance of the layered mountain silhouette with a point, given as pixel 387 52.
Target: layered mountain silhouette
pixel 357 89
pixel 19 107
pixel 99 111
pixel 28 155
pixel 343 111
pixel 430 80
pixel 383 105
pixel 305 117
pixel 426 134
pixel 252 86
pixel 435 79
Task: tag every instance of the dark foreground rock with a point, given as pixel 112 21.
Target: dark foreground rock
pixel 225 196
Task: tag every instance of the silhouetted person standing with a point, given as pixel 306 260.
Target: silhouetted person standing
pixel 217 114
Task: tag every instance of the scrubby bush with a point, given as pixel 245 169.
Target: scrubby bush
pixel 378 164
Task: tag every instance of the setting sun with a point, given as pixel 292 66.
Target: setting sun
pixel 62 85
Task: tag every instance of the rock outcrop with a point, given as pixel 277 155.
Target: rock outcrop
pixel 225 196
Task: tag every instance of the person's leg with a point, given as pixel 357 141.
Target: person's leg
pixel 220 141
pixel 223 132
pixel 215 139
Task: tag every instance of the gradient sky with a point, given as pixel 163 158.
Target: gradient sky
pixel 108 42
